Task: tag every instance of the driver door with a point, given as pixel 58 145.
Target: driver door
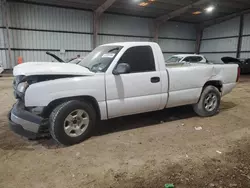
pixel 137 91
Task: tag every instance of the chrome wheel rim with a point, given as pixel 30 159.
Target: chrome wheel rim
pixel 76 123
pixel 211 102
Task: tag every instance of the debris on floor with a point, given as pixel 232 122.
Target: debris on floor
pixel 78 154
pixel 232 185
pixel 169 185
pixel 198 128
pixel 211 185
pixel 218 152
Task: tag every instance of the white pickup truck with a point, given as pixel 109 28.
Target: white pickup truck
pixel 119 79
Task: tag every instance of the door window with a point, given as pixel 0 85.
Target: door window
pixel 187 59
pixel 139 58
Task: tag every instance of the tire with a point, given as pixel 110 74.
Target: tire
pixel 204 108
pixel 66 119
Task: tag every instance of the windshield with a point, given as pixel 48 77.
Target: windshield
pixel 174 59
pixel 100 58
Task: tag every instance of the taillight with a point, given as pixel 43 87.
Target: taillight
pixel 238 75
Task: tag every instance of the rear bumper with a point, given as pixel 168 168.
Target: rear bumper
pixel 26 123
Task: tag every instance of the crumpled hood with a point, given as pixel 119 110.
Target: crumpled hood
pixel 50 68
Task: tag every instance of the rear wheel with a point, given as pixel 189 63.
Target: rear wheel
pixel 209 102
pixel 72 122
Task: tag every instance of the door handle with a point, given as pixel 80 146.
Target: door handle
pixel 155 79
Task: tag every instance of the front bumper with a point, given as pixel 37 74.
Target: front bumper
pixel 26 123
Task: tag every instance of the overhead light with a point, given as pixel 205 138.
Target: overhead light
pixel 209 9
pixel 143 4
pixel 151 0
pixel 196 12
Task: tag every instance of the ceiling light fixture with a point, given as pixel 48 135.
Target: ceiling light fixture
pixel 209 9
pixel 143 4
pixel 196 12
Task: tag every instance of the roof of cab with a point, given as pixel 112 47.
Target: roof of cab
pixel 129 43
pixel 185 55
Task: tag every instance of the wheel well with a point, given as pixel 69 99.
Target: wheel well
pixel 52 105
pixel 214 83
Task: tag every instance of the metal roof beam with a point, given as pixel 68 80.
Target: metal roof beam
pixel 104 7
pixel 180 11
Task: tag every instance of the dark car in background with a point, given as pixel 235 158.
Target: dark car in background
pixel 244 64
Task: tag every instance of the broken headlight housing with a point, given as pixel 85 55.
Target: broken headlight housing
pixel 21 87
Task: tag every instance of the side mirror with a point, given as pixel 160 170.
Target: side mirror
pixel 122 68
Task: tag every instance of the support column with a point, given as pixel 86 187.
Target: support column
pixel 96 21
pixel 4 10
pixel 96 16
pixel 156 31
pixel 240 36
pixel 199 32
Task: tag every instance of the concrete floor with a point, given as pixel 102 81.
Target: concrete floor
pixel 146 150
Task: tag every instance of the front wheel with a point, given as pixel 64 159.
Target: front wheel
pixel 72 122
pixel 209 102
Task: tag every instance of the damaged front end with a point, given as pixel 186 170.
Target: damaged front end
pixel 21 82
pixel 29 121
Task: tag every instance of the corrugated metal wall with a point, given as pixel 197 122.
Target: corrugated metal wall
pixel 119 28
pixel 35 29
pixel 246 29
pixel 126 25
pixel 22 39
pixel 177 30
pixel 175 45
pixel 3 51
pixel 224 29
pixel 220 40
pixel 245 48
pixel 219 45
pixel 31 16
pixel 175 37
